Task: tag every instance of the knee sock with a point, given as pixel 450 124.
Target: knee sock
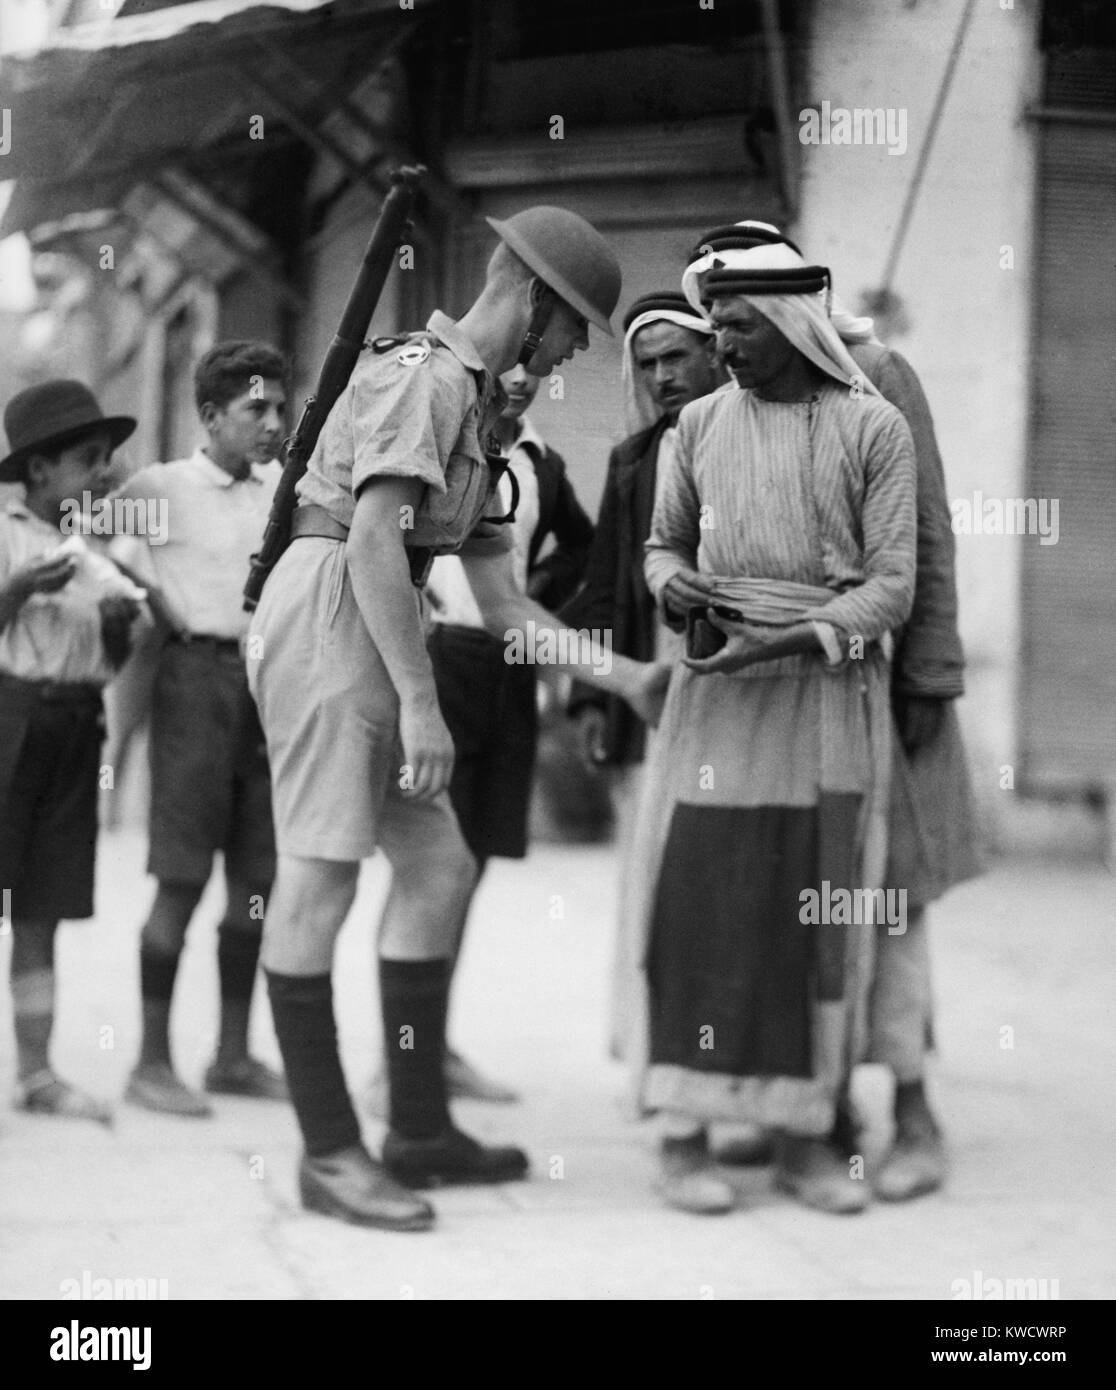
pixel 414 995
pixel 33 987
pixel 302 1007
pixel 158 970
pixel 238 953
pixel 33 1009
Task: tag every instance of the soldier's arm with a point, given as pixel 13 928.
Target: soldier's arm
pixel 537 637
pixel 381 580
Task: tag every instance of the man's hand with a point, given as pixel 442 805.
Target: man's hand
pixel 649 693
pixel 918 718
pixel 45 576
pixel 686 590
pixel 427 748
pixel 590 724
pixel 745 646
pixel 118 613
pixel 748 643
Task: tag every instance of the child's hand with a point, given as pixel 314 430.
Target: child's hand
pixel 45 576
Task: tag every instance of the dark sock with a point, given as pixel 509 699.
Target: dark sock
pixel 912 1109
pixel 32 1032
pixel 158 970
pixel 33 992
pixel 414 995
pixel 238 954
pixel 302 1007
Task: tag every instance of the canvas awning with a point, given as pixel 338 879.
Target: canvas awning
pixel 174 94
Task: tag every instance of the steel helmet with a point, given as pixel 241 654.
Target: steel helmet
pixel 568 254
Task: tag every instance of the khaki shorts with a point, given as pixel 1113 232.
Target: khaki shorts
pixel 331 717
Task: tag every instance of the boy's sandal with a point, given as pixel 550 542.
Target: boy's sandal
pixel 43 1093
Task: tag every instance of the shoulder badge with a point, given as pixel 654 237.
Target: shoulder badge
pixel 413 354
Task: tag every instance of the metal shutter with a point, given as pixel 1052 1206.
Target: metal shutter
pixel 1068 694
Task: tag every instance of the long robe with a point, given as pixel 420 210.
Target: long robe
pixel 770 784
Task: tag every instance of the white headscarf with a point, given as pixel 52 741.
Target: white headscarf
pixel 640 410
pixel 801 318
pixel 850 328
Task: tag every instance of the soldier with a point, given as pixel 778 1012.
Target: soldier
pixel 491 707
pixel 360 754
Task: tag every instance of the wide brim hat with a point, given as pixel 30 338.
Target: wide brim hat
pixel 51 415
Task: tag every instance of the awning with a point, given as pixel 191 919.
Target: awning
pixel 178 90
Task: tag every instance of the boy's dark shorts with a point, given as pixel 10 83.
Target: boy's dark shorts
pixel 210 786
pixel 490 710
pixel 51 756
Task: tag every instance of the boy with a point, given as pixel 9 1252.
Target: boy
pixel 65 620
pixel 210 787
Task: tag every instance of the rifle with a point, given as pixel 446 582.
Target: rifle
pixel 337 368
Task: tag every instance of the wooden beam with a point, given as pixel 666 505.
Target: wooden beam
pixel 252 248
pixel 440 194
pixel 780 100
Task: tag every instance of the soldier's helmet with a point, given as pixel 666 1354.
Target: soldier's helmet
pixel 568 254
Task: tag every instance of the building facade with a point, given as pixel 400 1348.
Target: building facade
pixel 951 161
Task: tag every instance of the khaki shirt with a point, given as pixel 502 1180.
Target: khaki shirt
pixel 420 410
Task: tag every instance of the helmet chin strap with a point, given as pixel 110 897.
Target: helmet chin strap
pixel 540 317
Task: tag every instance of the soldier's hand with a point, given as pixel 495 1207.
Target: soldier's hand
pixel 117 615
pixel 918 717
pixel 427 749
pixel 649 695
pixel 45 576
pixel 589 728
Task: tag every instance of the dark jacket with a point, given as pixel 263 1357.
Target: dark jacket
pixel 928 657
pixel 615 595
pixel 554 578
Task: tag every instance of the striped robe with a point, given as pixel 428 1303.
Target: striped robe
pixel 773 780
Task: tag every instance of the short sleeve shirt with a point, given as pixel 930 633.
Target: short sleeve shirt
pixel 209 523
pixel 53 636
pixel 419 410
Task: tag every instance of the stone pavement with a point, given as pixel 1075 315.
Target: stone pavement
pixel 210 1206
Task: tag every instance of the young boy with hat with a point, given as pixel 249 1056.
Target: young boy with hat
pixel 65 628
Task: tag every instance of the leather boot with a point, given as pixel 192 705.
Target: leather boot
pixel 451 1157
pixel 351 1186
